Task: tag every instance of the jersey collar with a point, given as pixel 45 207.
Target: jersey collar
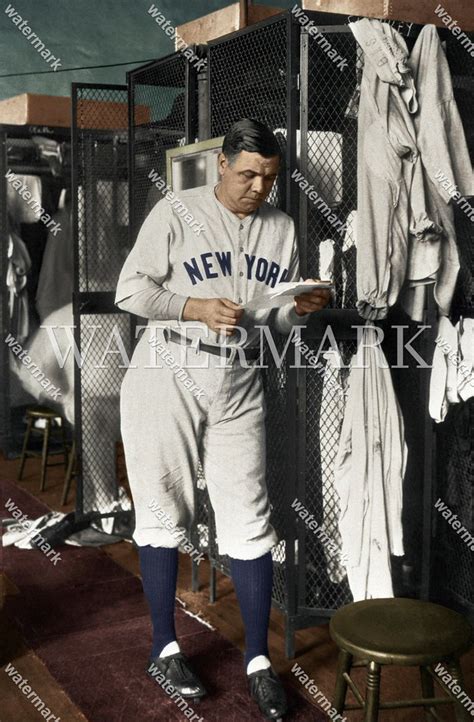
pixel 233 217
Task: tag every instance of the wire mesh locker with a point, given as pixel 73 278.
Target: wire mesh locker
pixel 328 160
pixel 454 565
pixel 454 573
pixel 329 157
pixel 20 155
pixel 5 411
pixel 102 333
pixel 279 74
pixel 261 73
pixel 252 74
pixel 163 108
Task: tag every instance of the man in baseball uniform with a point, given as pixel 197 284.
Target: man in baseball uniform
pixel 193 391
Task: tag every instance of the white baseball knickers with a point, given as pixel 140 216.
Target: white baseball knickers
pixel 167 427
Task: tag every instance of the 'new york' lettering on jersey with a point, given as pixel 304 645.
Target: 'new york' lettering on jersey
pixel 212 265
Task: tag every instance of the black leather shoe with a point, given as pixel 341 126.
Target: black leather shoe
pixel 178 672
pixel 267 691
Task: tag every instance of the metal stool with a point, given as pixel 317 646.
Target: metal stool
pixel 32 414
pixel 404 632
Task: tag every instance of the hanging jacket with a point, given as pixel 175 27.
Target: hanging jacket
pixel 412 156
pixel 368 473
pixel 446 166
pixel 19 264
pixel 391 196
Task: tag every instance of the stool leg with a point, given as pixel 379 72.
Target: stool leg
pixel 69 473
pixel 65 451
pixel 289 639
pixel 212 585
pixel 29 425
pixel 194 576
pixel 344 665
pixel 427 688
pixel 372 696
pixel 461 712
pixel 44 455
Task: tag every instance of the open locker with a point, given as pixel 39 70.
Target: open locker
pixel 102 333
pixel 38 159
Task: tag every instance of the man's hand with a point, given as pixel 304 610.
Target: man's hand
pixel 313 301
pixel 219 314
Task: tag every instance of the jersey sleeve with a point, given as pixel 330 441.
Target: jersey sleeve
pixel 139 289
pixel 285 317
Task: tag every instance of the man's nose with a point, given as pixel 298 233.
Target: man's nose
pixel 258 186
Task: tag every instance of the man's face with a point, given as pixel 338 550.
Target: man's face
pixel 248 181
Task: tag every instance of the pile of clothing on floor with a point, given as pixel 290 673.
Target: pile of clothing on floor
pixel 56 528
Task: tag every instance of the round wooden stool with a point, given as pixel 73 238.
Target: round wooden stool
pixel 408 633
pixel 33 413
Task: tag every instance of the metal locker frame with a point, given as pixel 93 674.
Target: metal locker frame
pixel 94 297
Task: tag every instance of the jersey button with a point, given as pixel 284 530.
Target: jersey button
pixel 239 300
pixel 241 249
pixel 241 227
pixel 241 273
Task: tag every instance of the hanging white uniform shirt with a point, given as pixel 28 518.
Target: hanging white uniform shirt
pixel 349 255
pixel 56 277
pixel 19 264
pixel 389 173
pixel 447 170
pixel 444 380
pixel 369 469
pixel 330 421
pixel 326 260
pixel 19 209
pixel 324 162
pixel 465 385
pixel 413 161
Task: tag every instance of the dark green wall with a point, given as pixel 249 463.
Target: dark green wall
pixel 89 32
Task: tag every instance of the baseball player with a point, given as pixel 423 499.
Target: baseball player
pixel 193 391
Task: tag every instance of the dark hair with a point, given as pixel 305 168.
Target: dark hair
pixel 252 136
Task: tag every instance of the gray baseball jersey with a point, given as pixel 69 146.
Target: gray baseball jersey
pixel 193 246
pixel 173 418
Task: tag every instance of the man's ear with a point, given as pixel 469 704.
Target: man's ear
pixel 222 163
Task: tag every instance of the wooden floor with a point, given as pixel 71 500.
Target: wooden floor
pixel 315 652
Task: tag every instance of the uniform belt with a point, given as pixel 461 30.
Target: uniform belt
pixel 251 354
